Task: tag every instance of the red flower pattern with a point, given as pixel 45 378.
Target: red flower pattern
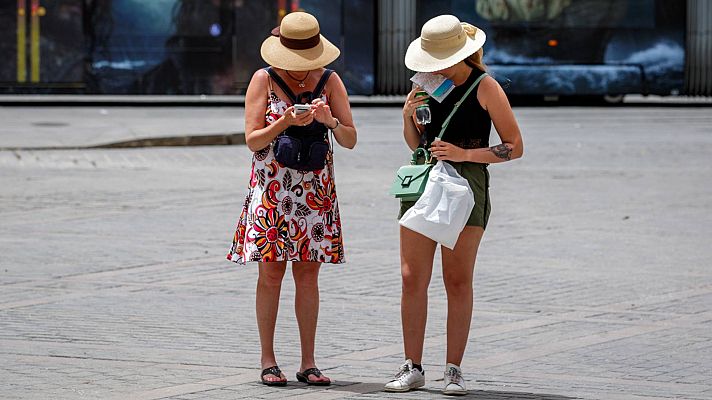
pixel 271 231
pixel 323 198
pixel 288 215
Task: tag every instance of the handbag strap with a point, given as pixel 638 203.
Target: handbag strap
pixel 459 103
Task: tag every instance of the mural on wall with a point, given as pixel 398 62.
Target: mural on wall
pixel 173 47
pixel 61 42
pixel 578 47
pixel 212 46
pixel 349 24
pixel 162 46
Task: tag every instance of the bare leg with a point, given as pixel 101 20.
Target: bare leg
pixel 306 306
pixel 417 252
pixel 458 271
pixel 269 285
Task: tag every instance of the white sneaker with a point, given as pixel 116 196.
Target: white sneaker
pixel 454 382
pixel 407 378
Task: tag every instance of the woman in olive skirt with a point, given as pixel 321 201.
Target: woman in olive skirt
pixel 454 50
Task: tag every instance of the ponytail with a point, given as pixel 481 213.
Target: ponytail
pixel 475 60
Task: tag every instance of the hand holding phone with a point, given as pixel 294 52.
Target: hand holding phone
pixel 301 108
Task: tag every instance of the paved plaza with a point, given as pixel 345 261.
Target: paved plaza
pixel 594 279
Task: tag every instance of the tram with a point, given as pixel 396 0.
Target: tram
pixel 187 47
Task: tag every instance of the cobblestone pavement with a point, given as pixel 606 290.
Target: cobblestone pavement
pixel 593 280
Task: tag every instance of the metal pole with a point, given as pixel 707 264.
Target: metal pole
pixel 35 41
pixel 21 41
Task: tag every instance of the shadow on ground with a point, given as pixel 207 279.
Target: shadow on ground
pixel 374 388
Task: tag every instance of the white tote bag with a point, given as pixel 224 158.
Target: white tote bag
pixel 444 207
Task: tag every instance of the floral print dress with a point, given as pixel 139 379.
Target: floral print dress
pixel 288 215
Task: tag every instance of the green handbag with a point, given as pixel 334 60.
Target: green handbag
pixel 410 179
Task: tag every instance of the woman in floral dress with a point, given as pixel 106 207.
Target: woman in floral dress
pixel 290 214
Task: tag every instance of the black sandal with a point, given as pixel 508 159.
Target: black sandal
pixel 273 371
pixel 304 377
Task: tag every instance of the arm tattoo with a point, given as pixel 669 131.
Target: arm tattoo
pixel 502 151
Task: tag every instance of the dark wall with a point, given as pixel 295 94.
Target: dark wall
pixel 175 46
pixel 8 42
pixel 574 47
pixel 61 46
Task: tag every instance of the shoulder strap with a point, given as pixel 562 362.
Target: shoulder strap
pixel 269 81
pixel 457 105
pixel 322 83
pixel 281 84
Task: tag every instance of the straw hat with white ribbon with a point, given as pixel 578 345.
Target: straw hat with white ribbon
pixel 444 41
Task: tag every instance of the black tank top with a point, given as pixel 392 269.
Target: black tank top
pixel 470 127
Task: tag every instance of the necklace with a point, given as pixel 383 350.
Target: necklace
pixel 301 81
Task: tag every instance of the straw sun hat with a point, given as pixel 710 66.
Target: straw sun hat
pixel 444 41
pixel 297 45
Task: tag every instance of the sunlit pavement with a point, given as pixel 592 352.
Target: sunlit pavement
pixel 593 280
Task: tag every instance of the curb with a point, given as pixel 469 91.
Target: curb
pixel 228 139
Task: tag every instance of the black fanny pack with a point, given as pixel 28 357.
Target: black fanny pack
pixel 304 148
pixel 301 152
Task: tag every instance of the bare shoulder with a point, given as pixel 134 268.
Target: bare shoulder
pixel 489 91
pixel 257 88
pixel 335 85
pixel 259 77
pixel 489 86
pixel 334 80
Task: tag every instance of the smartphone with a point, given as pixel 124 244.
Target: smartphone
pixel 301 108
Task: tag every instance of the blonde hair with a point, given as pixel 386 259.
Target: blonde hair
pixel 475 60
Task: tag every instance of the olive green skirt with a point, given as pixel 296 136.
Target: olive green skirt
pixel 478 177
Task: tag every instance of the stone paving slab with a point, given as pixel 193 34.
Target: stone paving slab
pixel 592 282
